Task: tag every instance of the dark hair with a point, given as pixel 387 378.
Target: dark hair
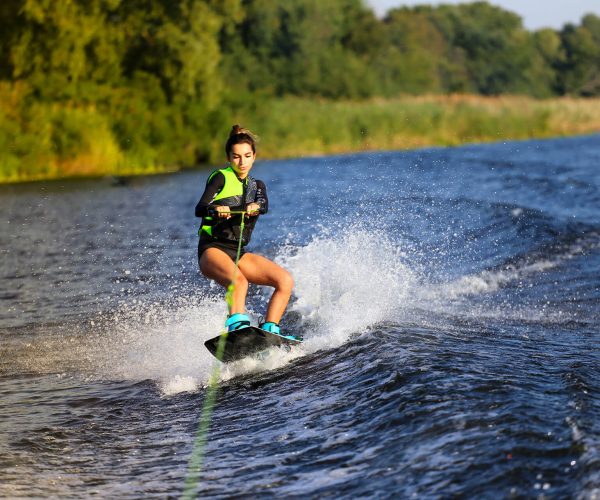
pixel 239 135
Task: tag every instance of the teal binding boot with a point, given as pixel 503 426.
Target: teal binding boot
pixel 237 321
pixel 271 327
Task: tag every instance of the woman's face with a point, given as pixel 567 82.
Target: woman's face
pixel 241 158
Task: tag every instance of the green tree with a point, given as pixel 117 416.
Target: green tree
pixel 301 47
pixel 548 54
pixel 148 68
pixel 416 53
pixel 9 25
pixel 491 42
pixel 580 69
pixel 62 46
pixel 177 42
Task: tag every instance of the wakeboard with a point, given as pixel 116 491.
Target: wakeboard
pixel 248 341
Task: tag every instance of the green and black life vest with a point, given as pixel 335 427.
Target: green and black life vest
pixel 235 194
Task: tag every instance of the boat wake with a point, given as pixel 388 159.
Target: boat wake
pixel 344 285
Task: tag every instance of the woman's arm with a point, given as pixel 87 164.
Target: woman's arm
pixel 261 197
pixel 260 205
pixel 213 186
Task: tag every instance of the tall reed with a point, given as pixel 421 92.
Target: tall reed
pixel 127 137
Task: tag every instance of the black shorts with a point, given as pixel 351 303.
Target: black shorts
pixel 229 248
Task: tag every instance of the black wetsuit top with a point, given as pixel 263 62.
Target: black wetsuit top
pixel 228 230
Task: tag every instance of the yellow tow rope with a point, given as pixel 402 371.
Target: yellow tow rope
pixel 195 462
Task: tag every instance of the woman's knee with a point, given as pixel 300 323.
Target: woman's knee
pixel 240 281
pixel 285 282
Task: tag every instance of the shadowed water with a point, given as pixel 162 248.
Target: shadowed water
pixel 449 299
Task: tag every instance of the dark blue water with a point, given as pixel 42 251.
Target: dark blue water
pixel 449 298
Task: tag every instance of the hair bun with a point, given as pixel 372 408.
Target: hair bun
pixel 240 135
pixel 237 130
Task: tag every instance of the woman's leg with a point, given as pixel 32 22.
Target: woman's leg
pixel 262 271
pixel 217 265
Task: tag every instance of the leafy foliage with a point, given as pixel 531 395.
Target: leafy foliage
pixel 88 86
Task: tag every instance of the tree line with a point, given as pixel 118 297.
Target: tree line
pixel 159 81
pixel 339 49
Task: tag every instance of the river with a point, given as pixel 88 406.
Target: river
pixel 449 298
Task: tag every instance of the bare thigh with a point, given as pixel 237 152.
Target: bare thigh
pixel 262 271
pixel 217 265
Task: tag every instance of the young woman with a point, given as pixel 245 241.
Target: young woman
pixel 228 190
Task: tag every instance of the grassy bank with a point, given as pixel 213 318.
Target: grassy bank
pixel 296 127
pixel 55 141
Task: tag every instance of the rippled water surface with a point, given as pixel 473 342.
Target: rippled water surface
pixel 449 299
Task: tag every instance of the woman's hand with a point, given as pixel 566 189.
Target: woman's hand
pixel 223 212
pixel 252 209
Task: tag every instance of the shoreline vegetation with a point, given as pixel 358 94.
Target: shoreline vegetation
pixel 415 122
pixel 301 127
pixel 113 87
